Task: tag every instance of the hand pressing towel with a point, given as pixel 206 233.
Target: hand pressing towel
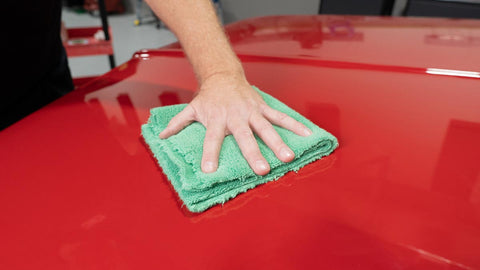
pixel 180 156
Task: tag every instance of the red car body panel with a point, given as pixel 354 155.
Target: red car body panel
pixel 80 190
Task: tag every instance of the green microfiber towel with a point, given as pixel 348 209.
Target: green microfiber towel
pixel 180 156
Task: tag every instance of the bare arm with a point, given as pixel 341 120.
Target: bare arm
pixel 195 24
pixel 226 103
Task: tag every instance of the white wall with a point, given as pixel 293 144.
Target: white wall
pixel 235 10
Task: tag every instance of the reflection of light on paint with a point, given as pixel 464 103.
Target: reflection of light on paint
pixel 144 55
pixel 451 37
pixel 437 258
pixel 93 221
pixel 451 72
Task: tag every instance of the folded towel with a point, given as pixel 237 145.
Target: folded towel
pixel 180 156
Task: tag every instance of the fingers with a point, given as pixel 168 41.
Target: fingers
pixel 269 135
pixel 241 128
pixel 211 147
pixel 283 120
pixel 178 122
pixel 249 147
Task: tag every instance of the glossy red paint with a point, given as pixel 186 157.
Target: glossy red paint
pixel 79 189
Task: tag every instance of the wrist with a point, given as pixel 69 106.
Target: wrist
pixel 234 74
pixel 228 65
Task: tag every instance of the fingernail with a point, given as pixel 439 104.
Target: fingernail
pixel 307 132
pixel 286 153
pixel 208 167
pixel 261 165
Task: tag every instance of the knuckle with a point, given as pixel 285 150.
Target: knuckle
pixel 254 155
pixel 252 104
pixel 263 108
pixel 190 111
pixel 211 136
pixel 276 142
pixel 216 116
pixel 251 151
pixel 172 125
pixel 300 126
pixel 282 116
pixel 281 146
pixel 244 132
pixel 264 126
pixel 207 155
pixel 262 129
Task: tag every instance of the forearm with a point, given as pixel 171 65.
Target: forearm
pixel 226 104
pixel 196 26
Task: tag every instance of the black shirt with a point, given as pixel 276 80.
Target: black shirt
pixel 36 64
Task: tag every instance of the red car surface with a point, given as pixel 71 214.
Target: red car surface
pixel 80 190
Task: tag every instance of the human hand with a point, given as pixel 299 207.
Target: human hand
pixel 227 104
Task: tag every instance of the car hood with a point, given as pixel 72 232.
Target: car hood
pixel 80 190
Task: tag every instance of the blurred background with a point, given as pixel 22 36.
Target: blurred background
pixel 133 26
